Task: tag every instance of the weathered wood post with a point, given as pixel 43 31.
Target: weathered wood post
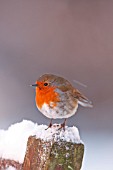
pixel 56 149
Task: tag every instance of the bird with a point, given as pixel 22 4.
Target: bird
pixel 56 98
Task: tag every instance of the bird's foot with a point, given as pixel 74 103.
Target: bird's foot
pixel 63 125
pixel 50 125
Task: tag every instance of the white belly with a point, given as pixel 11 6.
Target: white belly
pixel 56 113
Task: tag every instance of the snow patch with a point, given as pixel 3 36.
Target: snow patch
pixel 10 168
pixel 13 141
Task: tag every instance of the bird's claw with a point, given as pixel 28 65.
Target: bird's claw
pixel 50 125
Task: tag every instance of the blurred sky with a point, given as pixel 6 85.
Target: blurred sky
pixel 70 38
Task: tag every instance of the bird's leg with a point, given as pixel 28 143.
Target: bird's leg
pixel 50 123
pixel 63 124
pixel 49 126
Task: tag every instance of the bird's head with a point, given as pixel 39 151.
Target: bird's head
pixel 49 82
pixel 44 83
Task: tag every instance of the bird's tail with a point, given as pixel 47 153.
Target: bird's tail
pixel 82 100
pixel 85 102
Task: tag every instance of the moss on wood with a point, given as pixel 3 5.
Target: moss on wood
pixel 50 155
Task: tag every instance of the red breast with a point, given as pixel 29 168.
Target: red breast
pixel 45 94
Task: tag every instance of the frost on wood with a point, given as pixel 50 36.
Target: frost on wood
pixel 6 164
pixel 53 154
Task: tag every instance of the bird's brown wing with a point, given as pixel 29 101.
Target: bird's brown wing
pixel 82 100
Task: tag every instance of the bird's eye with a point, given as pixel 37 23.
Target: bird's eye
pixel 45 84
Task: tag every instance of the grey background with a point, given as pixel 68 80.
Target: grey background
pixel 70 38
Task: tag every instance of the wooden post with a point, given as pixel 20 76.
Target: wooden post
pixel 52 155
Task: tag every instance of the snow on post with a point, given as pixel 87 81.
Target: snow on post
pixel 28 146
pixel 54 149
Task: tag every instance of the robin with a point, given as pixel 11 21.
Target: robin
pixel 56 98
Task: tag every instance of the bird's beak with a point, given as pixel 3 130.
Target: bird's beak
pixel 34 85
